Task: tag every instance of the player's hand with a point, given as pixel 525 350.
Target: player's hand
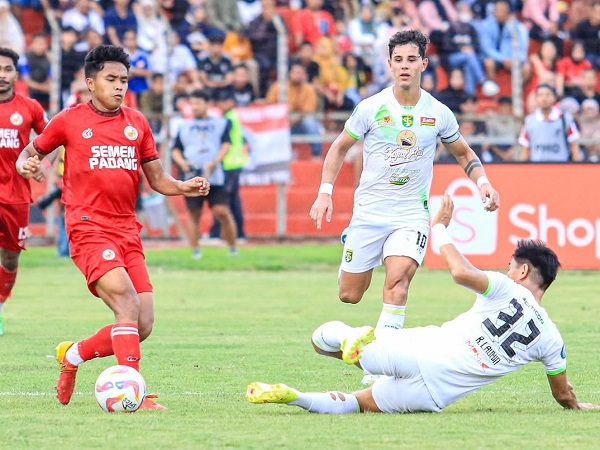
pixel 322 207
pixel 209 168
pixel 31 168
pixel 444 214
pixel 195 187
pixel 489 197
pixel 41 175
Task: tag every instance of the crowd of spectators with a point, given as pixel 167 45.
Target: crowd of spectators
pixel 338 52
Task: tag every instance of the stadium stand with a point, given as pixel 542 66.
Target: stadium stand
pixel 190 20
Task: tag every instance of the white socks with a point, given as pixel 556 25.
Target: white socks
pixel 327 402
pixel 390 319
pixel 73 356
pixel 330 335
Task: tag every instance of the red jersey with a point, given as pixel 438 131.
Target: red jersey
pixel 18 116
pixel 103 157
pixel 313 25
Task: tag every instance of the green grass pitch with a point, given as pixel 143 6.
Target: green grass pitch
pixel 223 322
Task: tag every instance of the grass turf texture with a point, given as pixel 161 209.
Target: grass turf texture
pixel 223 322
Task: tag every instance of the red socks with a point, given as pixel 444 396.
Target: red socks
pixel 7 281
pixel 98 345
pixel 126 344
pixel 120 339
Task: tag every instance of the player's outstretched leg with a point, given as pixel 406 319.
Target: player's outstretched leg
pixel 316 402
pixel 66 380
pixel 258 392
pixel 354 343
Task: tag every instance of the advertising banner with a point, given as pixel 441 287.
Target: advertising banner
pixel 268 132
pixel 555 203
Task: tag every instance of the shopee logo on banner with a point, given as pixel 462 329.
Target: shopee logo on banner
pixel 578 232
pixel 473 230
pixel 537 201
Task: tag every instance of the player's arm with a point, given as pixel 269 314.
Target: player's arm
pixel 225 146
pixel 468 160
pixel 29 163
pixel 323 205
pixel 564 394
pixel 162 182
pixel 575 151
pixel 463 272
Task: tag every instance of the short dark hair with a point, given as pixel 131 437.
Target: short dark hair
pixel 223 94
pixel 10 53
pixel 216 38
pixel 546 86
pixel 505 99
pixel 96 58
pixel 69 29
pixel 409 37
pixel 199 93
pixel 542 259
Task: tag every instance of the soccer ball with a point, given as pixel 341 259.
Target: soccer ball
pixel 120 389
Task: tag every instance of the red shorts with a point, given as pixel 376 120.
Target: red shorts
pixel 96 251
pixel 13 226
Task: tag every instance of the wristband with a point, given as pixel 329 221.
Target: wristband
pixel 326 188
pixel 441 234
pixel 482 180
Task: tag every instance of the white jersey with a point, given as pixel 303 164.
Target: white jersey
pixel 399 147
pixel 504 330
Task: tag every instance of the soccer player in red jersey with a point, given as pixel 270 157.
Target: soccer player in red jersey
pixel 18 116
pixel 105 145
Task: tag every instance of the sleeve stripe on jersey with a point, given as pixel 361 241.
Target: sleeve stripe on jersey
pixel 556 372
pixel 39 150
pixel 452 138
pixel 355 136
pixel 489 287
pixel 150 159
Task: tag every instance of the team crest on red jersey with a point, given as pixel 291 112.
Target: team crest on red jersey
pixel 108 254
pixel 130 133
pixel 16 119
pixel 87 133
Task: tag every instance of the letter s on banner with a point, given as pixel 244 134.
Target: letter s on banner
pixel 473 230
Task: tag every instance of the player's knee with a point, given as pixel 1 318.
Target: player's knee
pixel 145 328
pixel 350 296
pixel 10 260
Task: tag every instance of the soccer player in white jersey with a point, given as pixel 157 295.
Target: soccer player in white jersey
pixel 390 222
pixel 427 368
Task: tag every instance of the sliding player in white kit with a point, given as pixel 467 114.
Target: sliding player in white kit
pixel 390 221
pixel 426 369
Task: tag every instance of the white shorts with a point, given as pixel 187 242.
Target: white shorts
pixel 403 389
pixel 368 244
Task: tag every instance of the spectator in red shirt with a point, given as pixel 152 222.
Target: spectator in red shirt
pixel 570 68
pixel 312 23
